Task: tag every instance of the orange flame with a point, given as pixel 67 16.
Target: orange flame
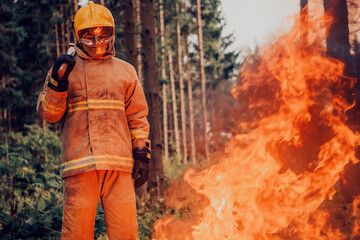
pixel 356 215
pixel 277 174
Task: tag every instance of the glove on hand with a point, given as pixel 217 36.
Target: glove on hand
pixel 141 165
pixel 56 82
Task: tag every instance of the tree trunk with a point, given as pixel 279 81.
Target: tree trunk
pixel 57 40
pixel 75 6
pixel 191 106
pixel 130 32
pixel 174 106
pixel 202 76
pixel 151 85
pixel 62 26
pixel 68 27
pixel 304 22
pixel 170 124
pixel 303 3
pixel 68 31
pixel 131 53
pixel 338 45
pixel 3 83
pixel 165 122
pixel 10 119
pixel 337 41
pixel 139 60
pixel 5 121
pixel 181 82
pixel 73 9
pixel 164 85
pixel 214 119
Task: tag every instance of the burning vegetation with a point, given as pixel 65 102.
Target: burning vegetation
pixel 280 175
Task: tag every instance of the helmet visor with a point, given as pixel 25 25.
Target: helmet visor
pixel 96 36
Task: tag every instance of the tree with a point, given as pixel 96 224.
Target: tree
pixel 202 75
pixel 181 82
pixel 130 32
pixel 9 33
pixel 164 84
pixel 139 61
pixel 338 45
pixel 304 11
pixel 32 51
pixel 129 22
pixel 191 105
pixel 151 84
pixel 62 28
pixel 221 65
pixel 174 104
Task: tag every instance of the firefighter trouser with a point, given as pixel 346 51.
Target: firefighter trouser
pixel 81 196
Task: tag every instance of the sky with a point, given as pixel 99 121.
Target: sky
pixel 254 22
pixel 83 2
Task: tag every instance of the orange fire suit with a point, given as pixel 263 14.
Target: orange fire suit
pixel 103 116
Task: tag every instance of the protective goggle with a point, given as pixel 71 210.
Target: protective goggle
pixel 96 36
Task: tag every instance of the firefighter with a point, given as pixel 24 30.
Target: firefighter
pixel 102 111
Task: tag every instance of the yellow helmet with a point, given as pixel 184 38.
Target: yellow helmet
pixel 93 15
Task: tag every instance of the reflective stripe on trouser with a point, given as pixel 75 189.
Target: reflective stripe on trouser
pixel 81 196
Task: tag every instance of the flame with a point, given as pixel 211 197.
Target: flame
pixel 356 215
pixel 276 174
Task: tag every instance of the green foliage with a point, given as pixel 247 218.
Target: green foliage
pixel 31 187
pixel 148 212
pixel 100 228
pixel 171 172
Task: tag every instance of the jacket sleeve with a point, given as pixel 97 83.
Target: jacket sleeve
pixel 136 110
pixel 51 104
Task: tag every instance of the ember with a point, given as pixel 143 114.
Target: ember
pixel 275 176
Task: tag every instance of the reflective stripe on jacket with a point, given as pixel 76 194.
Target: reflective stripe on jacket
pixel 103 115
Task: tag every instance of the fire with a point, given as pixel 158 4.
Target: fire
pixel 276 175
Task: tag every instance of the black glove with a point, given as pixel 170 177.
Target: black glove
pixel 57 83
pixel 141 165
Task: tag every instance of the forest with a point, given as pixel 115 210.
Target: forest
pixel 213 112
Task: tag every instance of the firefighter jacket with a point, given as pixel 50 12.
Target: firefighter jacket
pixel 103 115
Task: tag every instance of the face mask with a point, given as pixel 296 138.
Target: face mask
pixel 96 40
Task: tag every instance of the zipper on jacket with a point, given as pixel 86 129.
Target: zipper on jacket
pixel 87 111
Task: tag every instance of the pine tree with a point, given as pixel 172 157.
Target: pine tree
pixel 164 84
pixel 304 11
pixel 337 41
pixel 174 105
pixel 181 83
pixel 139 61
pixel 191 104
pixel 33 53
pixel 130 32
pixel 202 76
pixel 222 63
pixel 151 84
